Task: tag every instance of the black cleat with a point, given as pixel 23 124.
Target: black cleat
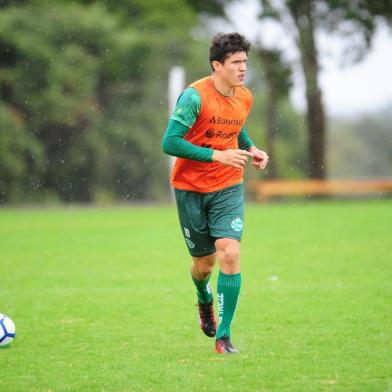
pixel 223 346
pixel 207 319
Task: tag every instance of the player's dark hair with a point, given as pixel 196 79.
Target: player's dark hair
pixel 222 45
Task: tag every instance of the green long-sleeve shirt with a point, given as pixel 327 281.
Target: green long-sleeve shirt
pixel 184 116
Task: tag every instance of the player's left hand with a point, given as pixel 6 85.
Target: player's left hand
pixel 260 158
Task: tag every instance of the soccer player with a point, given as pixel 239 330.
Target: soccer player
pixel 207 135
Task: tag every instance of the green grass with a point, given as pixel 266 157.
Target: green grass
pixel 102 301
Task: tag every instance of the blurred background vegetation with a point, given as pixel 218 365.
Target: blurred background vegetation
pixel 83 96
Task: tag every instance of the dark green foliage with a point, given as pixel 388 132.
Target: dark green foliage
pixel 21 156
pixel 82 97
pixel 210 7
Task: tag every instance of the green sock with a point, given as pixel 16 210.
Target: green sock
pixel 203 289
pixel 228 292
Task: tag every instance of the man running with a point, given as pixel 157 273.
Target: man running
pixel 207 135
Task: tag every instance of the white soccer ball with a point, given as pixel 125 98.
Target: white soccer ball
pixel 7 330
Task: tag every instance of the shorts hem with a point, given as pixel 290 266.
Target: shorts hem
pixel 232 237
pixel 202 254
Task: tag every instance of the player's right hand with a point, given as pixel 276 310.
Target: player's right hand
pixel 232 157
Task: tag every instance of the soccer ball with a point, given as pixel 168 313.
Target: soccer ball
pixel 7 330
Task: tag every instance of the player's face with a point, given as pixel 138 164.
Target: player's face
pixel 233 69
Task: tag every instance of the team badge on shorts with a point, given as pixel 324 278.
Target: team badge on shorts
pixel 237 224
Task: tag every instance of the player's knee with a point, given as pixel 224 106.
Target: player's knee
pixel 204 268
pixel 204 265
pixel 230 254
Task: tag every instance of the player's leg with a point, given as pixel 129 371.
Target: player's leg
pixel 228 290
pixel 226 224
pixel 201 270
pixel 194 224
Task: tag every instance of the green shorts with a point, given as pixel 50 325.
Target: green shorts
pixel 205 217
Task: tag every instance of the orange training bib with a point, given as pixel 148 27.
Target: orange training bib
pixel 218 125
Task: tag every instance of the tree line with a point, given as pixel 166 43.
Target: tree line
pixel 83 91
pixel 83 96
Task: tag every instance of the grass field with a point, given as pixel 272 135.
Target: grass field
pixel 102 301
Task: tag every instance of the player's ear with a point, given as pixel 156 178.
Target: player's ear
pixel 216 65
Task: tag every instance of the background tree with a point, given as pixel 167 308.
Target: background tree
pixel 309 16
pixel 85 88
pixel 278 83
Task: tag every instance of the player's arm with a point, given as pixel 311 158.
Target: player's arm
pixel 244 141
pixel 184 116
pixel 174 144
pixel 260 158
